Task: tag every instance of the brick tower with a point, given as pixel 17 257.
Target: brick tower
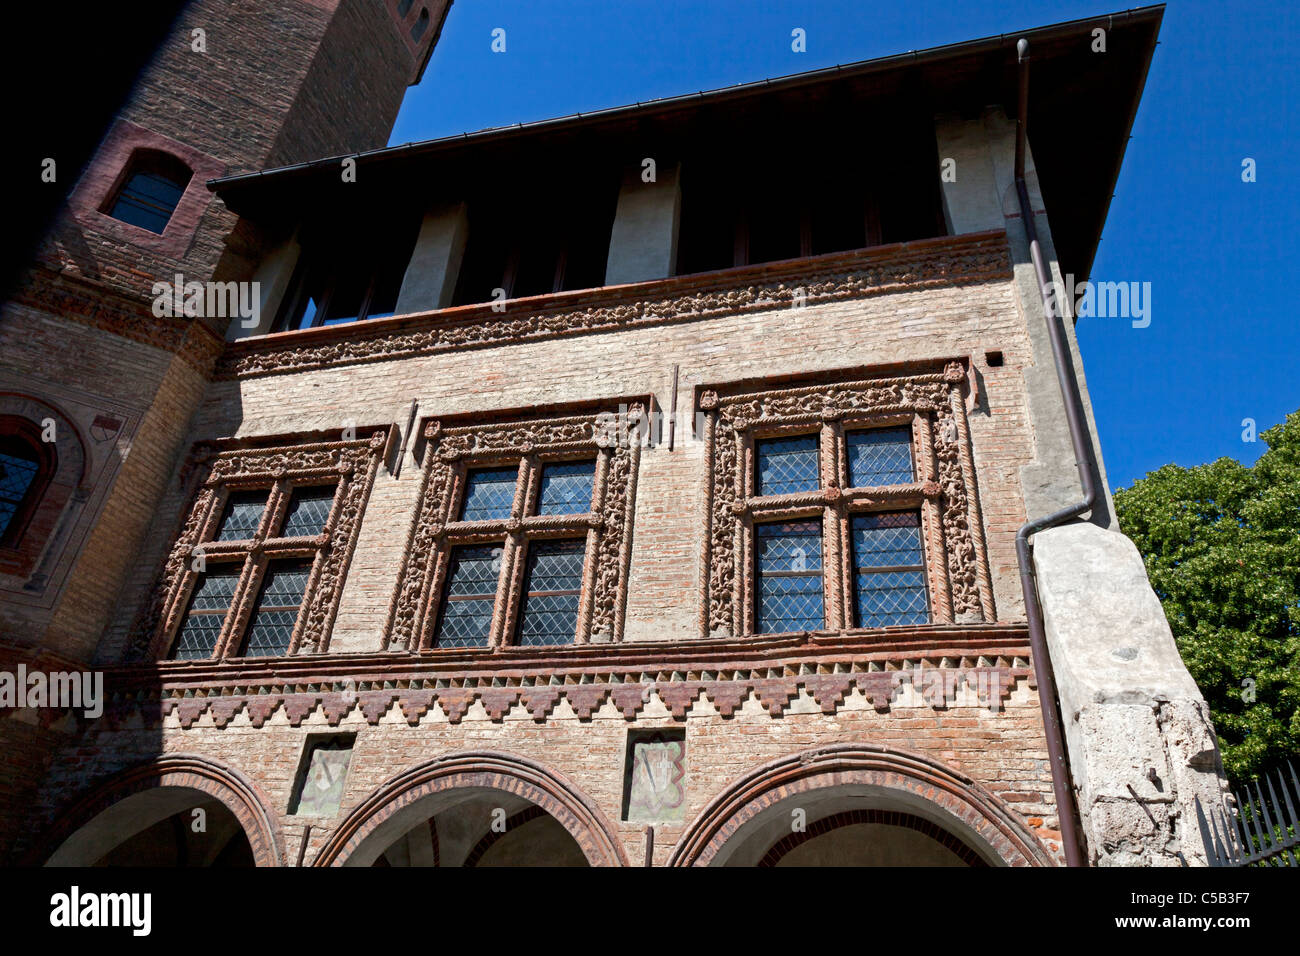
pixel 96 390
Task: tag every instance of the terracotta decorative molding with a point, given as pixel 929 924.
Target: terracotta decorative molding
pixel 991 687
pixel 217 469
pixel 950 260
pixel 930 404
pixel 937 661
pixel 452 448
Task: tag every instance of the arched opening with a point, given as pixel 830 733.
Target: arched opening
pixel 150 190
pixel 857 805
pixel 901 843
pixel 484 828
pixel 26 466
pixel 178 810
pixel 164 826
pixel 475 809
pixel 853 826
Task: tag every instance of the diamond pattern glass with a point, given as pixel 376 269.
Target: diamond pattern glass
pixel 566 488
pixel 271 628
pixel 471 590
pixel 207 613
pixel 552 585
pixel 489 494
pixel 889 575
pixel 309 508
pixel 242 515
pixel 787 465
pixel 882 456
pixel 789 577
pixel 16 475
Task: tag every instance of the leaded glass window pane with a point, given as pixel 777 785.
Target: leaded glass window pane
pixel 566 488
pixel 17 471
pixel 309 509
pixel 882 456
pixel 787 465
pixel 552 585
pixel 489 494
pixel 270 630
pixel 789 577
pixel 242 515
pixel 207 613
pixel 470 592
pixel 888 570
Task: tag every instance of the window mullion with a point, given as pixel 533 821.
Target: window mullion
pixel 277 508
pixel 241 607
pixel 509 590
pixel 511 582
pixel 833 518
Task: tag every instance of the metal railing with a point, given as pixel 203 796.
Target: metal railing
pixel 1262 830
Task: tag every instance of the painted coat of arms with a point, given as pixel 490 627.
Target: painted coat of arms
pixel 658 769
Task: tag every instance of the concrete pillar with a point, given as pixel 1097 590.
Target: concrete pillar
pixel 1141 745
pixel 430 279
pixel 273 276
pixel 970 201
pixel 643 243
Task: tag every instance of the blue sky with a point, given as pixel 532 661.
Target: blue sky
pixel 1222 344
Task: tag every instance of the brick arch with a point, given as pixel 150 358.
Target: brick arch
pixel 967 804
pixel 237 793
pixel 489 770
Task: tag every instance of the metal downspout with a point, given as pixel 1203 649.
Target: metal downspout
pixel 1067 809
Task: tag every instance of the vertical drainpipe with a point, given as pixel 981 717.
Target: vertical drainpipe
pixel 1065 804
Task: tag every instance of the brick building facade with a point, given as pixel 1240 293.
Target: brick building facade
pixel 637 488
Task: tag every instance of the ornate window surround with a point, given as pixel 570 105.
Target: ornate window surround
pixel 930 399
pixel 609 431
pixel 215 470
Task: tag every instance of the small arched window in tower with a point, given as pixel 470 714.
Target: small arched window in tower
pixel 26 466
pixel 150 190
pixel 421 24
pixel 404 7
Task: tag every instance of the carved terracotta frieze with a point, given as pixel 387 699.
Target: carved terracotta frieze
pixel 215 472
pixel 949 260
pixel 610 438
pixel 931 405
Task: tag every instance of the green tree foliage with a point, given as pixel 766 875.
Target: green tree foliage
pixel 1221 544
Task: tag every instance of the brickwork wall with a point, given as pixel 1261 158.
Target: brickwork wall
pixel 1004 752
pixel 352 90
pixel 662 602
